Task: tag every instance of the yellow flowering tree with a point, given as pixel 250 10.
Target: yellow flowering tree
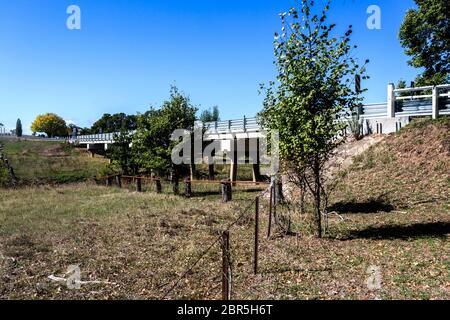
pixel 51 124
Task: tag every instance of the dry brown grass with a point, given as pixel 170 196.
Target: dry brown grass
pixel 396 216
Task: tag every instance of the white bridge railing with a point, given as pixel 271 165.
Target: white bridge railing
pixel 409 102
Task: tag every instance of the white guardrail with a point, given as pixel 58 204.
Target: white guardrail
pixel 409 102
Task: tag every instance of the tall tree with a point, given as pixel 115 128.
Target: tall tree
pixel 210 115
pixel 425 36
pixel 152 145
pixel 51 124
pixel 314 85
pixel 19 128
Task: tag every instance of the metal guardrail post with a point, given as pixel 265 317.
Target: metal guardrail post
pixel 435 103
pixel 390 101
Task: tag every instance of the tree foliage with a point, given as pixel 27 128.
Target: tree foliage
pixel 149 149
pixel 425 36
pixel 314 85
pixel 51 124
pixel 152 144
pixel 121 153
pixel 210 115
pixel 114 123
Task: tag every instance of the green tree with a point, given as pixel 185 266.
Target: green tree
pixel 19 128
pixel 121 153
pixel 114 123
pixel 425 36
pixel 152 146
pixel 51 124
pixel 210 115
pixel 314 86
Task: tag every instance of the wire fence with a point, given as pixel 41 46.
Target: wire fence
pixel 154 184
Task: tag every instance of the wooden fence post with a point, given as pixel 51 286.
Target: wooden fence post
pixel 109 181
pixel 176 185
pixel 226 281
pixel 138 184
pixel 226 190
pixel 187 187
pixel 158 185
pixel 119 181
pixel 255 257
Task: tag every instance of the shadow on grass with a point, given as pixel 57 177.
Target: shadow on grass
pixel 287 270
pixel 404 232
pixel 369 206
pixel 201 194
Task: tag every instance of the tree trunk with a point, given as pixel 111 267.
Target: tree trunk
pixel 318 214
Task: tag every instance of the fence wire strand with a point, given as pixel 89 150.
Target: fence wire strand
pixel 211 246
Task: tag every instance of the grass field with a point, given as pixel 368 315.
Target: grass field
pixel 50 162
pixel 394 201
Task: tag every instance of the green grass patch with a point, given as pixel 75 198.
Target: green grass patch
pixel 50 162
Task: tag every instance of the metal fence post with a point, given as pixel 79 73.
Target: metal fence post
pixel 255 257
pixel 269 225
pixel 226 281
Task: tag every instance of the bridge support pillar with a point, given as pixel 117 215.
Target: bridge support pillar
pixel 256 164
pixel 234 161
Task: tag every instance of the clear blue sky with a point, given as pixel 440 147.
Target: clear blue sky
pixel 129 52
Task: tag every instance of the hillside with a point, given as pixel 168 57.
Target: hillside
pixel 37 161
pixel 405 169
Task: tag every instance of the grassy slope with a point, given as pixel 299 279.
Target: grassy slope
pixel 55 162
pixel 142 242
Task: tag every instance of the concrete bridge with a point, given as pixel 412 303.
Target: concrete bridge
pixel 381 118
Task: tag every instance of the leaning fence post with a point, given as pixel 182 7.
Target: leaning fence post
pixel 226 281
pixel 187 187
pixel 138 184
pixel 255 257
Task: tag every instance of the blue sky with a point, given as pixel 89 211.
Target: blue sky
pixel 129 52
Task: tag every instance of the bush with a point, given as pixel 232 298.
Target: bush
pixel 356 128
pixel 4 176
